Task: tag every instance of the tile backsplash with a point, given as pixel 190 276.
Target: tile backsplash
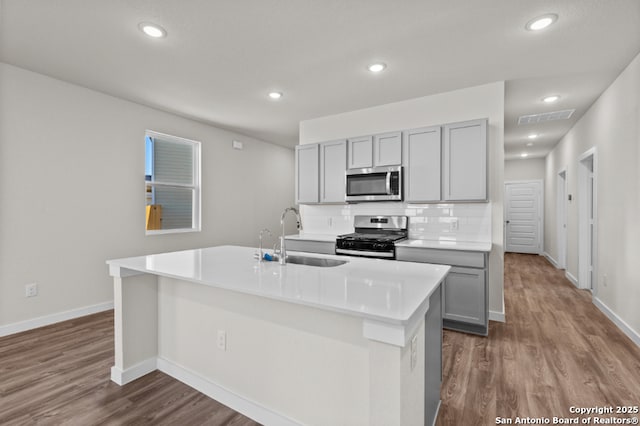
pixel 444 222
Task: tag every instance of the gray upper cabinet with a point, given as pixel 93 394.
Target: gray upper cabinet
pixel 465 161
pixel 422 159
pixel 441 163
pixel 333 164
pixel 307 176
pixel 384 149
pixel 387 149
pixel 360 152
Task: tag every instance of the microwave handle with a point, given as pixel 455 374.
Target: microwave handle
pixel 388 183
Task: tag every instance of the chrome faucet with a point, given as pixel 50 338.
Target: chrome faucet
pixel 260 254
pixel 283 251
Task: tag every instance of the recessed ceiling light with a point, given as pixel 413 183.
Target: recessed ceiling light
pixel 378 67
pixel 275 95
pixel 532 136
pixel 550 99
pixel 152 30
pixel 524 155
pixel 541 22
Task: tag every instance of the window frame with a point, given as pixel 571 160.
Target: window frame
pixel 196 199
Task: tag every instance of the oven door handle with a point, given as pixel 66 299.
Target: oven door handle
pixel 388 183
pixel 365 253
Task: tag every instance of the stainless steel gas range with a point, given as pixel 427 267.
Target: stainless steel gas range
pixel 374 236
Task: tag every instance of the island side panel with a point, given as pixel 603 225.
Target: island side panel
pixel 397 382
pixel 305 364
pixel 135 326
pixel 433 356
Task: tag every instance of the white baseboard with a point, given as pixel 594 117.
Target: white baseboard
pixel 19 327
pixel 571 278
pixel 122 377
pixel 622 325
pixel 238 403
pixel 551 259
pixel 497 316
pixel 435 418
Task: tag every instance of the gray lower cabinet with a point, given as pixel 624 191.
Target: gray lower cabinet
pixel 309 246
pixel 465 296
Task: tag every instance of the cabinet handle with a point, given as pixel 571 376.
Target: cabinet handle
pixel 388 183
pixel 471 274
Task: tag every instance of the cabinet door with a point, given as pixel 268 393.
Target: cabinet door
pixel 464 295
pixel 360 152
pixel 387 149
pixel 333 164
pixel 465 161
pixel 422 160
pixel 307 174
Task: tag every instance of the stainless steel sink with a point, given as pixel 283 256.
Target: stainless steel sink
pixel 315 261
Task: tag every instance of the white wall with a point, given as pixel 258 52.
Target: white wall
pixel 72 191
pixel 525 169
pixel 611 125
pixel 485 101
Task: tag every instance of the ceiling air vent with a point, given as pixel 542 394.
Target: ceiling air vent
pixel 547 116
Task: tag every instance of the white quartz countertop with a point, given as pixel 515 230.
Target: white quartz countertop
pixel 374 289
pixel 447 245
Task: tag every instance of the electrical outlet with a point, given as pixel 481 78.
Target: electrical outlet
pixel 222 340
pixel 414 351
pixel 31 290
pixel 453 225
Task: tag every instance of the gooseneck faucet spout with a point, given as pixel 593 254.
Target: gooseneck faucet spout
pixel 283 251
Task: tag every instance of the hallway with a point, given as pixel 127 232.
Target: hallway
pixel 556 350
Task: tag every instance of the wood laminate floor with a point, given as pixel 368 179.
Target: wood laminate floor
pixel 60 374
pixel 556 350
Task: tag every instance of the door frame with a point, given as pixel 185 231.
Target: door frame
pixel 562 208
pixel 540 212
pixel 583 221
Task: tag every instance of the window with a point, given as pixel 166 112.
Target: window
pixel 172 183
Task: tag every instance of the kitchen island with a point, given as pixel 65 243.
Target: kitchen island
pixel 354 344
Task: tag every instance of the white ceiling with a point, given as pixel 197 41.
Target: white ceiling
pixel 222 57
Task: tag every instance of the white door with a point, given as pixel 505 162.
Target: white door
pixel 523 217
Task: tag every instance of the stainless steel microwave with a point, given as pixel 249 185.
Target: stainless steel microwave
pixel 374 184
